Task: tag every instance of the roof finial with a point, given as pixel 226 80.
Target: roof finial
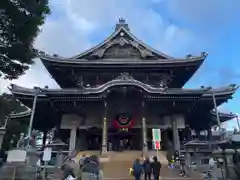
pixel 121 24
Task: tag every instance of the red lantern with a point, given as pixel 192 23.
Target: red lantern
pixel 123 121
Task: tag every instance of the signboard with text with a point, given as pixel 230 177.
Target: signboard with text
pixel 156 134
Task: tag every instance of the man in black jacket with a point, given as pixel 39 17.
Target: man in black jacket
pixel 156 168
pixel 147 168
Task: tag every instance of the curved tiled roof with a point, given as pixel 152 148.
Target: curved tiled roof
pixel 21 114
pixel 160 58
pixel 72 61
pixel 122 27
pixel 125 82
pixel 223 114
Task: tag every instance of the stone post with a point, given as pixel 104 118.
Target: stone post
pixel 176 140
pixel 144 131
pixel 2 134
pixel 72 140
pixel 104 131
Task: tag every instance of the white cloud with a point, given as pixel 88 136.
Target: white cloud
pixel 70 28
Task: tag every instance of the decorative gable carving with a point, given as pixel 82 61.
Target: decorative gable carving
pixel 124 51
pixel 121 47
pixel 122 44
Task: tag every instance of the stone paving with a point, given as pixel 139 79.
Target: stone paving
pixel 119 170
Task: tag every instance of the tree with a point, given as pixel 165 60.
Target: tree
pixel 9 104
pixel 19 25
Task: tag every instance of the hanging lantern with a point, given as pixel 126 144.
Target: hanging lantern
pixel 123 121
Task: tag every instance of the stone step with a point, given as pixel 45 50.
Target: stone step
pixel 124 155
pixel 115 169
pixel 162 156
pixel 120 170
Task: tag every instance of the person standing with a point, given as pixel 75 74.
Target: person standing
pixel 156 168
pixel 137 169
pixel 81 161
pixel 182 163
pixel 147 168
pixel 91 170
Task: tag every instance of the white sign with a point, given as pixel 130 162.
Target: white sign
pixel 16 156
pixel 47 154
pixel 156 134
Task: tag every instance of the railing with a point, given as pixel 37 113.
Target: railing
pixel 19 173
pixel 25 171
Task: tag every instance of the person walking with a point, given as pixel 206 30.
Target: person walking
pixel 182 162
pixel 156 168
pixel 91 170
pixel 137 169
pixel 147 168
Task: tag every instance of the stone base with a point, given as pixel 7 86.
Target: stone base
pixel 145 151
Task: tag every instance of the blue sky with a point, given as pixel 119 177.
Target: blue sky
pixel 175 27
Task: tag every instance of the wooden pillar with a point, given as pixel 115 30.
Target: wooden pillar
pixel 104 130
pixel 144 131
pixel 209 134
pixel 44 138
pixel 176 140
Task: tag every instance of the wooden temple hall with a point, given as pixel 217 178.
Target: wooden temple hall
pixel 113 94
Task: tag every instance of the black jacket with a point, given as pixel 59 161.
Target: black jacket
pixel 156 167
pixel 147 166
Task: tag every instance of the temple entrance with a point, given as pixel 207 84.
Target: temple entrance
pixel 94 138
pixel 124 139
pixel 118 139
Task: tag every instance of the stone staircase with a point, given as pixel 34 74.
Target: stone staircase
pixel 119 164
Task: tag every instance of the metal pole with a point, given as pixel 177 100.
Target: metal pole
pixel 216 110
pixel 217 114
pixel 32 114
pixel 238 123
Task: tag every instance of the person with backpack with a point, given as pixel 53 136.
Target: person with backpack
pixel 137 169
pixel 156 168
pixel 91 170
pixel 147 169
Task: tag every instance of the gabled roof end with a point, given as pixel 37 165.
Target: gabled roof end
pixel 122 24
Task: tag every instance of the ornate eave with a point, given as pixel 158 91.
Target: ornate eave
pixel 58 61
pixel 222 115
pixel 21 114
pixel 125 81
